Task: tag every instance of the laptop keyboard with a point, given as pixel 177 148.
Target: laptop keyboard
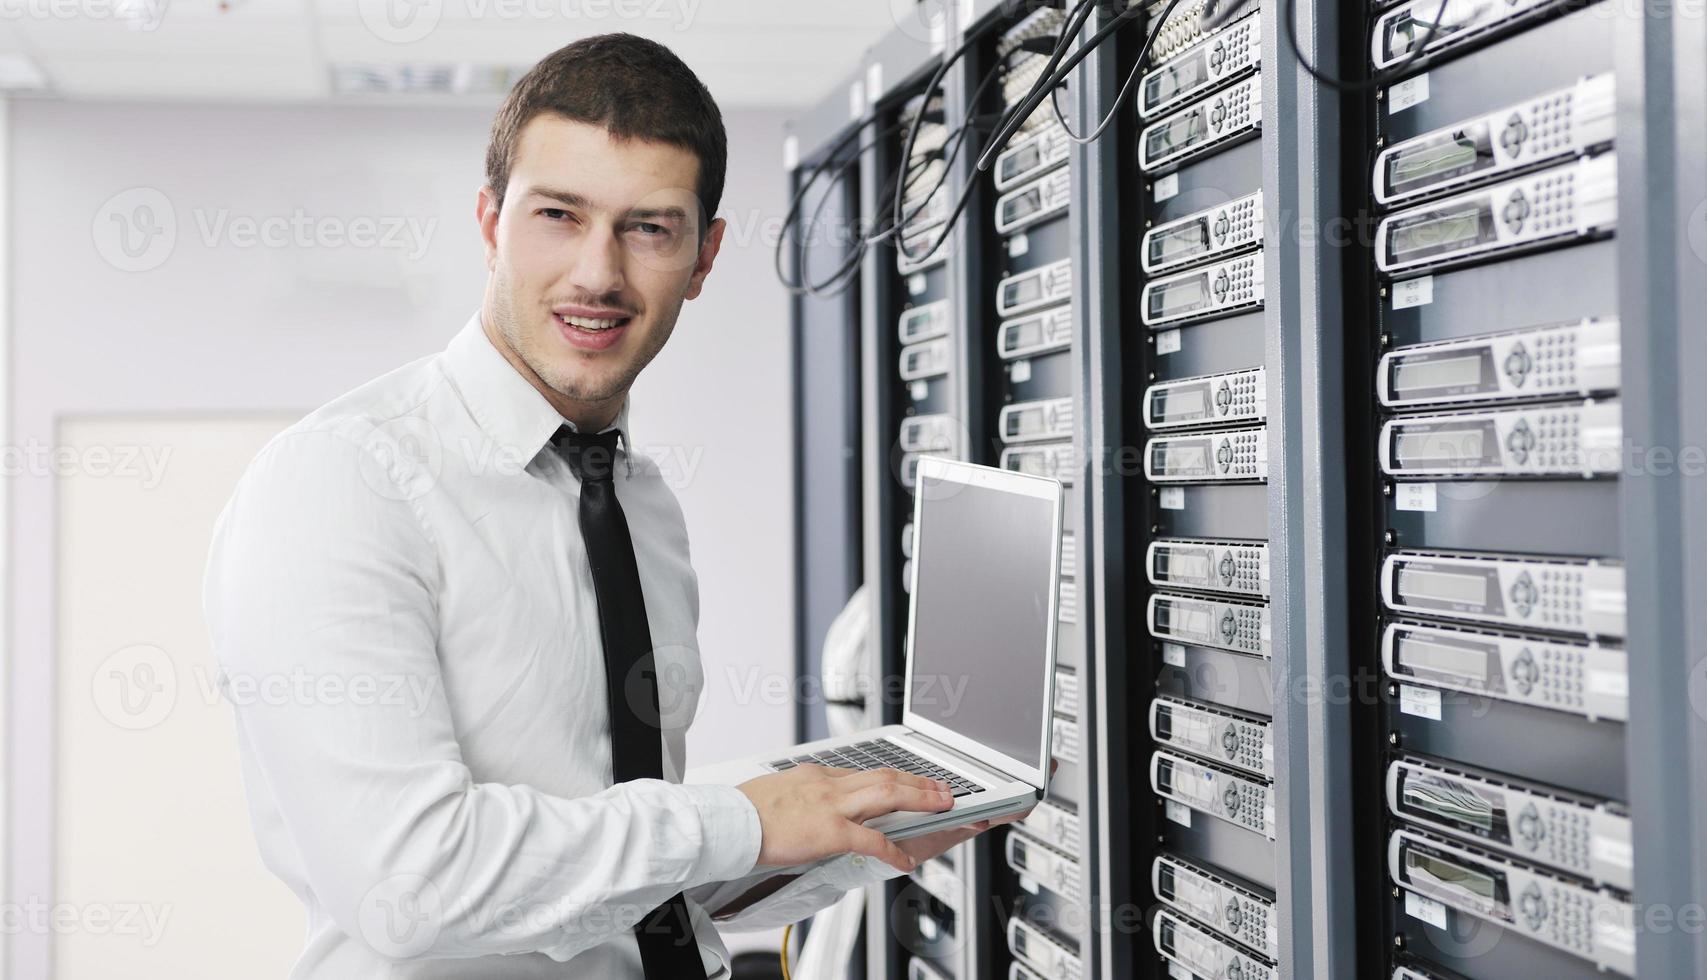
pixel 880 753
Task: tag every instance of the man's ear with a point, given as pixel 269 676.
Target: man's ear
pixel 486 216
pixel 707 255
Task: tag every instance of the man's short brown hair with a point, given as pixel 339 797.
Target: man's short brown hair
pixel 635 88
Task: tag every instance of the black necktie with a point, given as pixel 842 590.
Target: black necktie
pixel 668 950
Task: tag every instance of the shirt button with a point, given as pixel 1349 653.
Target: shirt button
pixel 859 860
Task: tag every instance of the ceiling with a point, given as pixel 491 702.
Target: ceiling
pixel 748 52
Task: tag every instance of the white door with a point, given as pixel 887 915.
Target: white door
pixel 157 874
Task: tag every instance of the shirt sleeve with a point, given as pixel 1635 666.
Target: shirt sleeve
pixel 817 887
pixel 323 567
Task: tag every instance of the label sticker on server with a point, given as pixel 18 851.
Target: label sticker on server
pixel 1203 294
pixel 1229 52
pixel 1548 207
pixel 1218 119
pixel 1413 292
pixel 1177 812
pixel 1561 124
pixel 1581 358
pixel 1419 701
pixel 1235 455
pixel 1585 679
pixel 1165 188
pixel 1581 440
pixel 1169 341
pixel 1212 232
pixel 1412 91
pixel 1423 497
pixel 1236 396
pixel 1576 596
pixel 1426 909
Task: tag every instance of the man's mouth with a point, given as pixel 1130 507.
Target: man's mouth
pixel 590 329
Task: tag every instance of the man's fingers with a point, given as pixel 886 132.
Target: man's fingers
pixel 873 777
pixel 880 798
pixel 871 843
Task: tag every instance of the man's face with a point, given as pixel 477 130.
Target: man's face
pixel 596 247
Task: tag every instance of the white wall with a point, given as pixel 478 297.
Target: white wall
pixel 226 328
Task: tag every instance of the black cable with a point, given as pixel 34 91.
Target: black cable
pixel 891 195
pixel 959 139
pixel 1056 49
pixel 1047 81
pixel 793 286
pixel 1289 17
pixel 1126 87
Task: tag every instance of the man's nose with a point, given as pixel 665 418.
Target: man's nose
pixel 598 263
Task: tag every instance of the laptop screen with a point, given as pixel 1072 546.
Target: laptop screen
pixel 984 577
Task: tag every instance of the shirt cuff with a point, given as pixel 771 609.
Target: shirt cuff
pixel 854 871
pixel 730 832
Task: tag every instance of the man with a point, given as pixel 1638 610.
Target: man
pixel 503 595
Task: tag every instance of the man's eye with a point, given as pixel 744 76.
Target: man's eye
pixel 648 228
pixel 554 213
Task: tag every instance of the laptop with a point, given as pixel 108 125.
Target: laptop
pixel 980 675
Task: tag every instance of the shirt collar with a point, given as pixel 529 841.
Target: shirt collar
pixel 505 405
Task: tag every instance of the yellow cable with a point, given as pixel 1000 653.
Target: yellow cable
pixel 786 930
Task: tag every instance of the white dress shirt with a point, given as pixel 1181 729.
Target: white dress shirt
pixel 404 617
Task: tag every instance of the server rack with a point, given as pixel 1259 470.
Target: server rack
pixel 1338 723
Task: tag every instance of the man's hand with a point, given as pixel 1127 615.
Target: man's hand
pixel 812 812
pixel 922 849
